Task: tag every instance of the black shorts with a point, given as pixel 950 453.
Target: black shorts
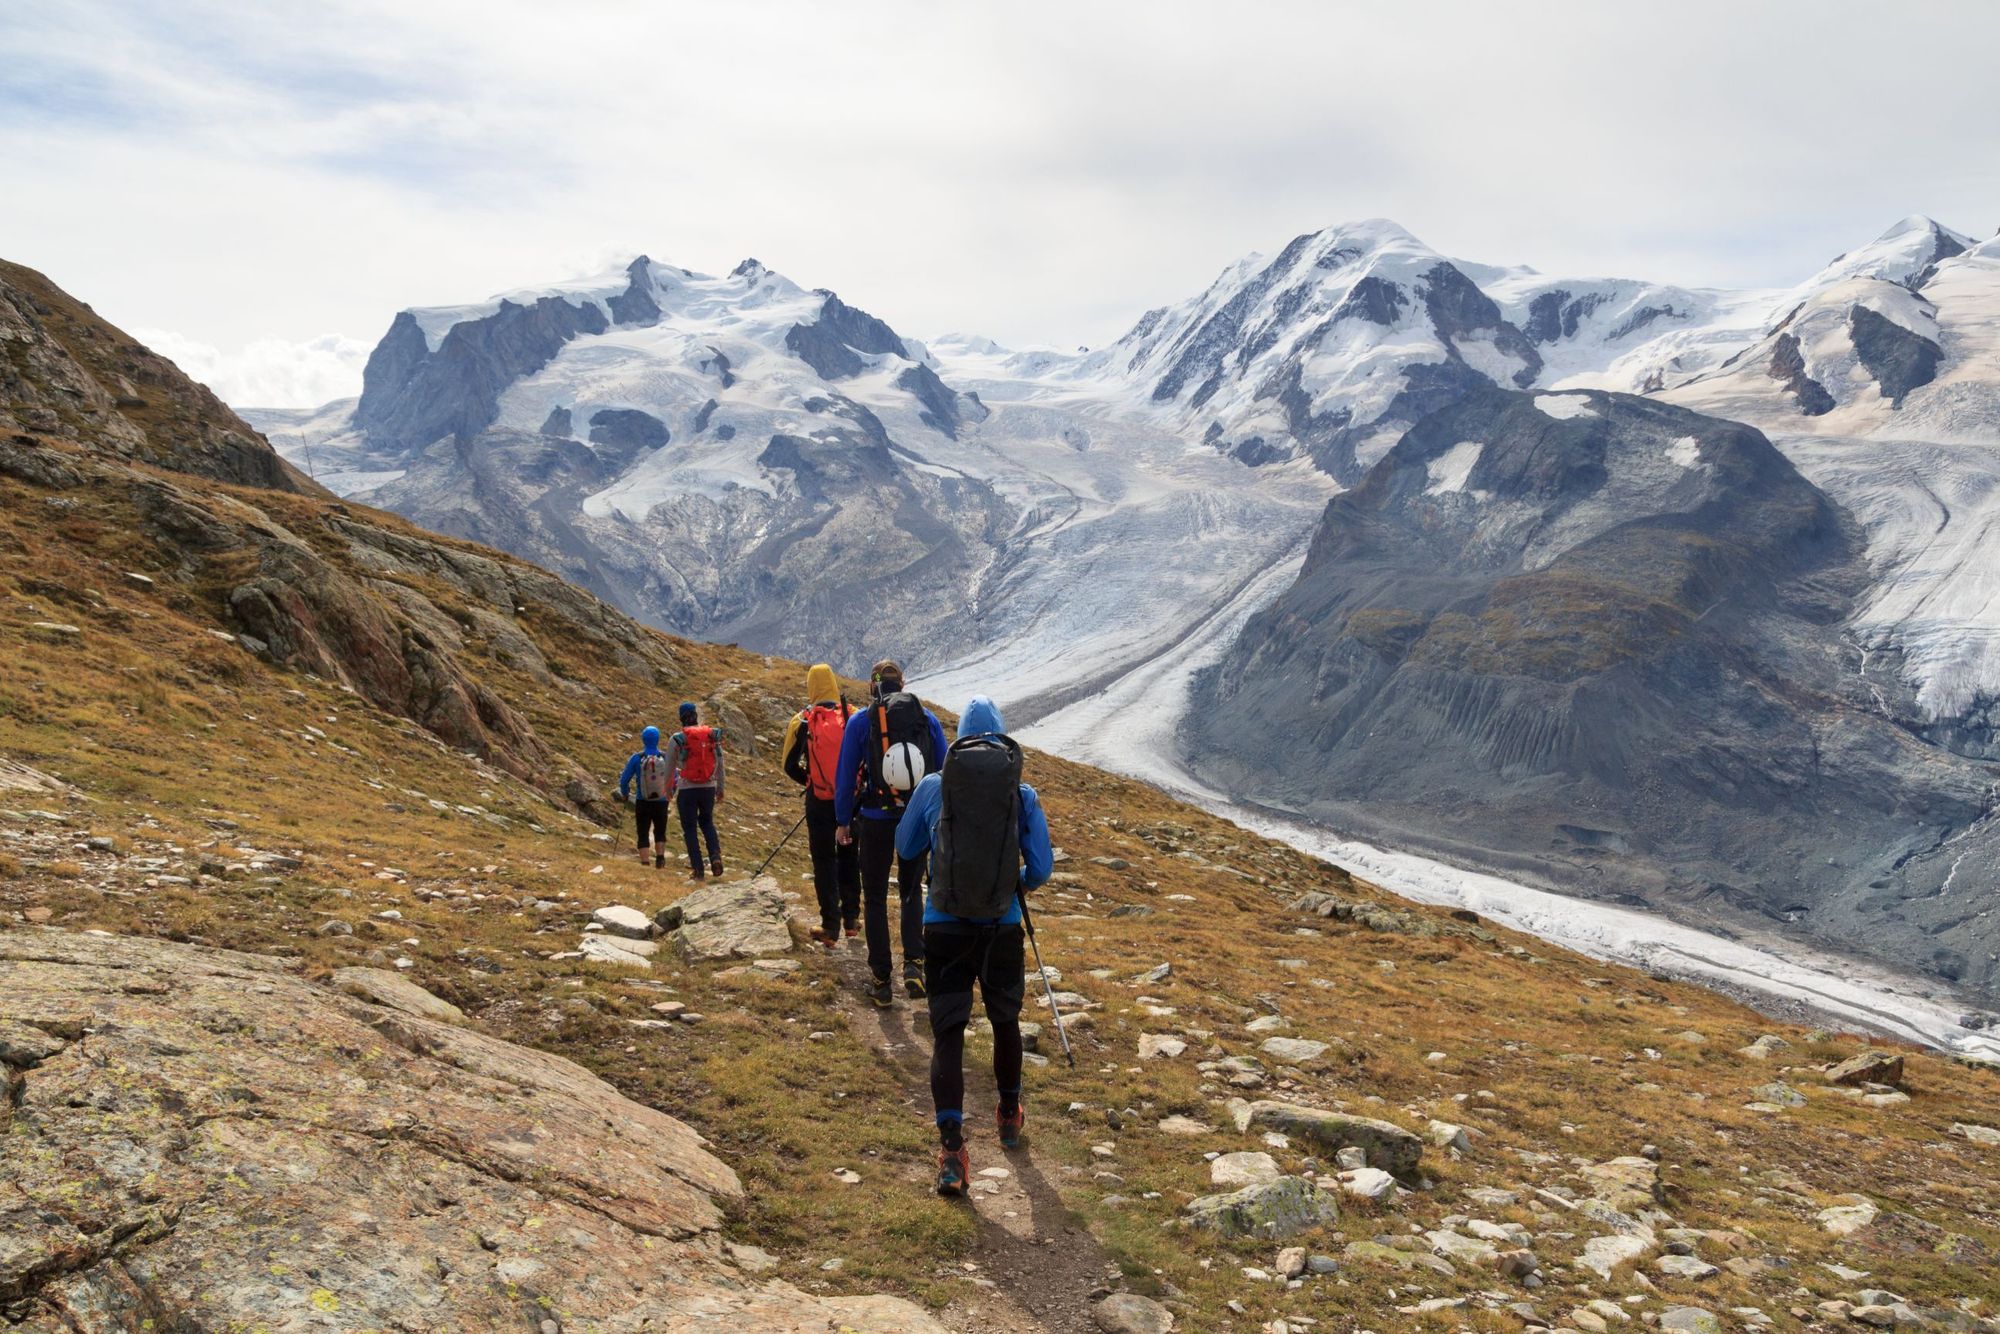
pixel 955 957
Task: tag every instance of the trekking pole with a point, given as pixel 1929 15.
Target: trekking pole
pixel 780 848
pixel 1028 921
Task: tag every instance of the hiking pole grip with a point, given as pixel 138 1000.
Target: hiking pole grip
pixel 1028 924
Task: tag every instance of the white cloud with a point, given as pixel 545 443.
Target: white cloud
pixel 1036 171
pixel 270 372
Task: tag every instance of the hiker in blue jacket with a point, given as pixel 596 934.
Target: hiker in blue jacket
pixel 886 748
pixel 653 776
pixel 959 951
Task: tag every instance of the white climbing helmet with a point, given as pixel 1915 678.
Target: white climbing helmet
pixel 903 766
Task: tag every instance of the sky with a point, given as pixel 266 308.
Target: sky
pixel 256 189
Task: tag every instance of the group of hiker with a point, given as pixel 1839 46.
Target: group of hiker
pixel 689 773
pixel 886 796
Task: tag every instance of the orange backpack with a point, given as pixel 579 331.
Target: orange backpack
pixel 826 728
pixel 698 761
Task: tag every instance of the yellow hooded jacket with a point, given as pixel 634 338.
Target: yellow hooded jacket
pixel 822 687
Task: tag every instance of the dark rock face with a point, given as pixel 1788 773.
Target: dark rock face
pixel 558 423
pixel 944 409
pixel 718 362
pixel 831 344
pixel 1556 315
pixel 411 397
pixel 1604 649
pixel 701 418
pixel 1788 367
pixel 1899 359
pixel 1460 310
pixel 1374 299
pixel 622 434
pixel 635 305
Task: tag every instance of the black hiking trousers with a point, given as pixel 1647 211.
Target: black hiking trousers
pixel 836 869
pixel 876 841
pixel 960 955
pixel 652 815
pixel 697 806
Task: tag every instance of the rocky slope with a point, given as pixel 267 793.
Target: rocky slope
pixel 1600 638
pixel 353 1154
pixel 1295 1100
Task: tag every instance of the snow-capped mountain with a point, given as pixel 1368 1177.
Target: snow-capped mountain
pixel 747 459
pixel 1333 349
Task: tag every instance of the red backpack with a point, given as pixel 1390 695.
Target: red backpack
pixel 699 745
pixel 826 728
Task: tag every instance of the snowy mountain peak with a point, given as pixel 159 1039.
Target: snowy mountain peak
pixel 1335 345
pixel 1905 254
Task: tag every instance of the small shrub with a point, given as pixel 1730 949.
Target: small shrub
pixel 65 870
pixel 10 866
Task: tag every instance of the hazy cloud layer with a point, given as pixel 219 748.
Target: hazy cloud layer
pixel 255 176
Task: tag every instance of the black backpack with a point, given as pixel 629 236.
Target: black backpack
pixel 892 720
pixel 976 866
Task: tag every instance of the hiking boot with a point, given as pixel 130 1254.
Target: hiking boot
pixel 913 978
pixel 954 1170
pixel 644 853
pixel 879 992
pixel 826 938
pixel 1010 1126
pixel 715 869
pixel 697 874
pixel 852 926
pixel 658 862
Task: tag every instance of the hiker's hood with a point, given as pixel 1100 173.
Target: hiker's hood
pixel 822 686
pixel 651 739
pixel 981 717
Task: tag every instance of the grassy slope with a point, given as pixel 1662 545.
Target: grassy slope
pixel 166 730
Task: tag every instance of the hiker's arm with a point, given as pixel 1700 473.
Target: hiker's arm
pixel 846 785
pixel 1038 858
pixel 913 832
pixel 721 776
pixel 676 752
pixel 625 779
pixel 795 751
pixel 938 744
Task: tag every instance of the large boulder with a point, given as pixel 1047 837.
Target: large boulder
pixel 1273 1210
pixel 1387 1146
pixel 288 1155
pixel 738 919
pixel 1870 1067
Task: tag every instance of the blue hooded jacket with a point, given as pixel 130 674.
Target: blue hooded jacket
pixel 848 797
pixel 918 830
pixel 650 739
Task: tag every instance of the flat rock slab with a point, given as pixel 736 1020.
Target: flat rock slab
pixel 602 947
pixel 17 777
pixel 1274 1211
pixel 1233 1171
pixel 328 1165
pixel 397 992
pixel 1293 1051
pixel 1387 1146
pixel 741 919
pixel 620 920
